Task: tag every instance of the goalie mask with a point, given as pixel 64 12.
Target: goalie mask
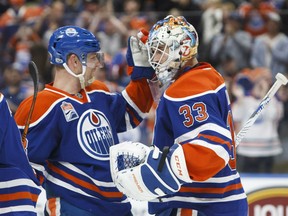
pixel 72 39
pixel 171 43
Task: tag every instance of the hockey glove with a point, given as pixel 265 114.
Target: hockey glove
pixel 137 57
pixel 134 170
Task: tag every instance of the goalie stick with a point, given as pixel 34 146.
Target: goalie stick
pixel 35 77
pixel 280 80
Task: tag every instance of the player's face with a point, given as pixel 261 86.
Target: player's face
pixel 160 54
pixel 94 62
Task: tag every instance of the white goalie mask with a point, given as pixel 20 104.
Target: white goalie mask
pixel 171 43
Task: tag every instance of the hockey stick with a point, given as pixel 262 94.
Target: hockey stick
pixel 35 77
pixel 280 80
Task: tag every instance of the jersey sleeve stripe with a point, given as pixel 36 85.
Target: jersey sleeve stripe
pixel 219 150
pixel 211 190
pixel 18 182
pixel 209 126
pixel 132 104
pixel 216 139
pixel 18 196
pixel 200 200
pixel 75 169
pixel 137 88
pixel 83 184
pixel 67 186
pixel 74 189
pixel 223 179
pixel 127 120
pixel 22 208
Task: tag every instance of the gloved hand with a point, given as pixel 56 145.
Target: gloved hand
pixel 137 57
pixel 134 167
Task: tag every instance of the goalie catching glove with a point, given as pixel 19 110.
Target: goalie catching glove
pixel 137 57
pixel 134 170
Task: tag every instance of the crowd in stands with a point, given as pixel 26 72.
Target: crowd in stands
pixel 235 36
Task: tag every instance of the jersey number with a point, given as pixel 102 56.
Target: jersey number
pixel 186 111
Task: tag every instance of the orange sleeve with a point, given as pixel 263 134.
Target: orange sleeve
pixel 140 94
pixel 202 163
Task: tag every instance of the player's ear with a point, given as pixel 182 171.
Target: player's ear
pixel 72 61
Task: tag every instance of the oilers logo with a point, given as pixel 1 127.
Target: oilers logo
pixel 95 134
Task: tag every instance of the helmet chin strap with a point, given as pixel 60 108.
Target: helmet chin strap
pixel 90 81
pixel 79 76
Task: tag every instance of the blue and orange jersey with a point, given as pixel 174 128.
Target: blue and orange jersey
pixel 255 18
pixel 69 138
pixel 19 188
pixel 195 112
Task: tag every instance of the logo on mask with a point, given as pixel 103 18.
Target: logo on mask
pixel 95 134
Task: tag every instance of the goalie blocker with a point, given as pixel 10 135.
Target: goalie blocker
pixel 130 161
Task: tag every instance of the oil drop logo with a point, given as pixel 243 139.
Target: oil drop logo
pixel 95 134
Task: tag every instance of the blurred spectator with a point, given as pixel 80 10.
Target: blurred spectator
pixel 189 9
pixel 230 50
pixel 118 68
pixel 261 144
pixel 255 13
pixel 214 13
pixel 212 20
pixel 19 13
pixel 53 14
pixel 102 76
pixel 271 49
pixel 132 17
pixel 21 43
pixel 85 17
pixel 52 17
pixel 112 36
pixel 98 17
pixel 16 15
pixel 14 90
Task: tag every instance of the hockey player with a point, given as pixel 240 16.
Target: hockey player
pixel 76 120
pixel 19 188
pixel 193 128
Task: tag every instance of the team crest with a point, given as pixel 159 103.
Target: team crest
pixel 69 111
pixel 95 134
pixel 71 32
